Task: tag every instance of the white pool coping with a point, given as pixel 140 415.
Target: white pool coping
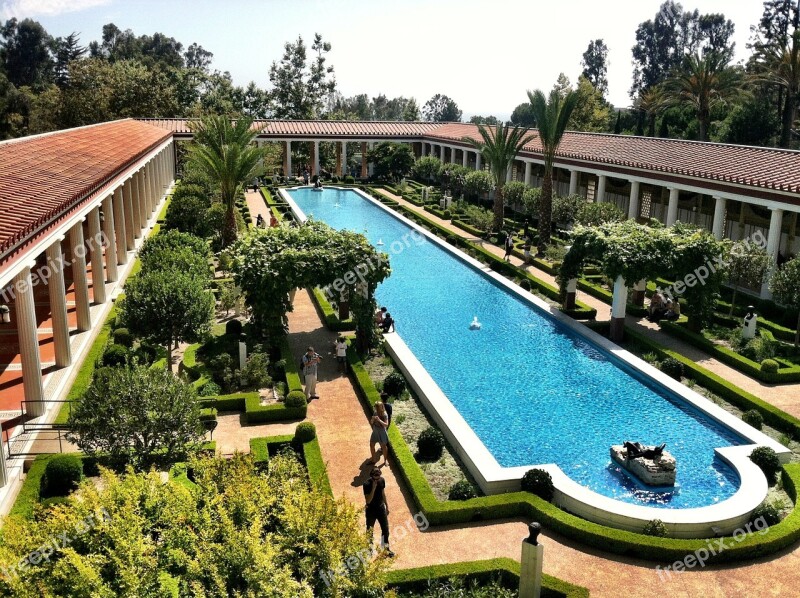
pixel 713 520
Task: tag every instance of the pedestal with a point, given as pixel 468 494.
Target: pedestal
pixel 530 573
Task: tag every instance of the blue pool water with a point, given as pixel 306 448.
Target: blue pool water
pixel 533 391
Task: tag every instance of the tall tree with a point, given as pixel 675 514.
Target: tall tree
pixel 595 65
pixel 776 58
pixel 300 89
pixel 499 145
pixel 523 116
pixel 222 150
pixel 197 57
pixel 785 285
pixel 25 53
pixel 476 119
pixel 552 115
pixel 411 110
pixel 703 83
pixel 592 113
pixel 67 50
pixel 441 108
pixel 650 103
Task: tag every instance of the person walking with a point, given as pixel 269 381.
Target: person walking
pixel 309 365
pixel 379 423
pixel 377 509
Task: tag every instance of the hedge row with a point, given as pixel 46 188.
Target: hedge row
pixel 731 357
pixel 742 399
pixel 607 539
pixel 262 448
pixel 498 264
pixel 256 413
pixel 505 570
pixel 468 228
pixel 290 367
pixel 328 315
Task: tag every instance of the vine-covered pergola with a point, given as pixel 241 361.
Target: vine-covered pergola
pixel 630 254
pixel 270 264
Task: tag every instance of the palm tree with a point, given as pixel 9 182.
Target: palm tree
pixel 779 64
pixel 651 102
pixel 499 146
pixel 703 82
pixel 222 151
pixel 552 116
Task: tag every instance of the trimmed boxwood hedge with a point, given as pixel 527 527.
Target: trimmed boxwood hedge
pixel 468 228
pixel 732 358
pixel 262 448
pixel 503 569
pixel 292 374
pixel 516 504
pixel 330 317
pixel 257 413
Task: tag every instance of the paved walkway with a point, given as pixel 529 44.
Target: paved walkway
pixel 783 396
pixel 343 431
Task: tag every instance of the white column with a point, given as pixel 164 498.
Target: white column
pixel 28 343
pixel 371 165
pixel 136 207
pixel 151 178
pixel 119 227
pixel 478 161
pixel 79 280
pixel 111 241
pixel 601 188
pixel 127 197
pixel 96 245
pixel 344 158
pixel 528 173
pixel 453 154
pixel 441 153
pixel 145 205
pixel 573 182
pixel 773 245
pixel 316 158
pixel 422 149
pixel 633 204
pixel 719 217
pixel 464 158
pixel 58 305
pixel 288 151
pixel 672 208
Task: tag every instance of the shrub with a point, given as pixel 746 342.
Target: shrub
pixel 430 444
pixel 255 373
pixel 210 389
pixel 305 432
pixel 525 284
pixel 760 348
pixel 769 512
pixel 461 490
pixel 295 399
pixel 268 180
pixel 565 209
pixel 538 482
pixel 672 368
pixel 61 475
pixel 478 183
pixel 348 180
pixel 233 327
pixel 334 179
pixel 115 355
pixel 596 213
pixel 655 527
pixel 123 337
pixel 753 418
pixel 447 215
pixel 513 192
pixel 767 460
pixel 769 366
pixel 427 168
pixel 145 354
pixel 394 384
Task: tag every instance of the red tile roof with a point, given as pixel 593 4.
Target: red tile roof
pixel 317 128
pixel 766 168
pixel 43 178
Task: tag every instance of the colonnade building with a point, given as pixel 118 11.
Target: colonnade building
pixel 76 204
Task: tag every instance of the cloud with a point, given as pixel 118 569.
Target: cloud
pixel 22 9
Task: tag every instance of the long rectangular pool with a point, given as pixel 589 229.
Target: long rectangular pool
pixel 533 391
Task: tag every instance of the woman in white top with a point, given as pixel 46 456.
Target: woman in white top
pixel 341 354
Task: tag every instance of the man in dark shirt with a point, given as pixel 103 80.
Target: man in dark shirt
pixel 377 508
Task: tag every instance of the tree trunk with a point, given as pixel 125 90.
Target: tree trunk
pixel 169 355
pixel 733 299
pixel 499 208
pixel 545 212
pixel 787 121
pixel 694 323
pixel 229 227
pixel 651 125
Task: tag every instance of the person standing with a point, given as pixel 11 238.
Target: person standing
pixel 379 423
pixel 377 509
pixel 341 354
pixel 309 364
pixel 509 247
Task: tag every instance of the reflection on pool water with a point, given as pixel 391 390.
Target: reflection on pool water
pixel 533 391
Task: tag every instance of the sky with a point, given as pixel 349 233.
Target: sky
pixel 483 54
